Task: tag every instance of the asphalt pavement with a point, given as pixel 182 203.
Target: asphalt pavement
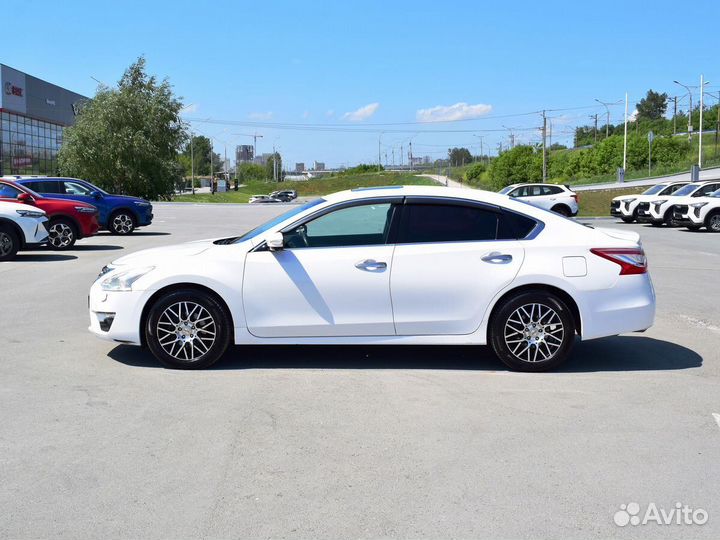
pixel 98 441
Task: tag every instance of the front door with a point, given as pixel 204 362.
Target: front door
pixel 331 279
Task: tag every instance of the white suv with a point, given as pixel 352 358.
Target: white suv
pixel 625 206
pixel 660 209
pixel 21 227
pixel 554 197
pixel 696 213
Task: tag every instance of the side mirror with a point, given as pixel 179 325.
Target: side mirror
pixel 276 241
pixel 26 198
pixel 96 195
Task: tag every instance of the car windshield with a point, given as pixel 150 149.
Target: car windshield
pixel 715 193
pixel 686 190
pixel 270 224
pixel 653 190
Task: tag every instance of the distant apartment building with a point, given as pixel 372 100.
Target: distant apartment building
pixel 262 159
pixel 427 159
pixel 319 166
pixel 299 167
pixel 244 153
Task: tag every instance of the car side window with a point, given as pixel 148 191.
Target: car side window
pixel 75 188
pixel 8 191
pixel 555 190
pixel 44 186
pixel 430 223
pixel 363 225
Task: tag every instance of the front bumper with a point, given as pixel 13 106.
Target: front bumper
pixel 124 308
pixel 685 216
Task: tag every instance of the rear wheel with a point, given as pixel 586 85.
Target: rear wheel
pixel 532 331
pixel 712 222
pixel 122 222
pixel 9 243
pixel 187 329
pixel 562 210
pixel 62 234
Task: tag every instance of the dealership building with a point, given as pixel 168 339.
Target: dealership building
pixel 33 114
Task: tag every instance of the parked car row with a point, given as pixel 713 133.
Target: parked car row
pixel 693 205
pixel 285 195
pixel 38 210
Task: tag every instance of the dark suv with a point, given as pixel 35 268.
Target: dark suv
pixel 120 214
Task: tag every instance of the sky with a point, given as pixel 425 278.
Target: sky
pixel 330 81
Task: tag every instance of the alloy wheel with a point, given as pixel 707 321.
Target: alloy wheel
pixel 534 333
pixel 6 244
pixel 714 224
pixel 186 331
pixel 61 235
pixel 123 224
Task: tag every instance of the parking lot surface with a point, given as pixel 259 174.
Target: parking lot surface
pixel 98 441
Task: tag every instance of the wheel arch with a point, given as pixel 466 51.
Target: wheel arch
pixel 564 295
pixel 122 208
pixel 71 219
pixel 564 206
pixel 16 229
pixel 176 287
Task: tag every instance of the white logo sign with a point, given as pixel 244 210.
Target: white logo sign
pixel 680 514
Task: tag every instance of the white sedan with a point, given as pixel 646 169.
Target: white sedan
pixel 395 265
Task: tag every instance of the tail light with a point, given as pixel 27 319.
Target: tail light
pixel 575 196
pixel 631 260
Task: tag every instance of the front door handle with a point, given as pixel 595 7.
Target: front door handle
pixel 371 265
pixel 497 258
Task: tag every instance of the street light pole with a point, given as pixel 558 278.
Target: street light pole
pixel 192 164
pixel 700 148
pixel 689 111
pixel 625 138
pixel 607 108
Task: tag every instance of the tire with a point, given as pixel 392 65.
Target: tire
pixel 122 223
pixel 62 234
pixel 562 210
pixel 628 219
pixel 187 329
pixel 694 228
pixel 712 222
pixel 9 243
pixel 513 321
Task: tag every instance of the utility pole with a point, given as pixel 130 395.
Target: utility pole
pixel 702 93
pixel 607 108
pixel 379 140
pixel 393 156
pixel 192 164
pixel 402 158
pixel 717 125
pixel 212 181
pixel 625 138
pixel 411 160
pixel 544 147
pixel 675 115
pixel 595 117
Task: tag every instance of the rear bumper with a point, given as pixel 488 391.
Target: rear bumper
pixel 629 306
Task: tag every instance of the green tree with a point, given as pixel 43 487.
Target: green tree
pixel 247 172
pixel 126 140
pixel 520 164
pixel 199 149
pixel 652 106
pixel 270 164
pixel 459 156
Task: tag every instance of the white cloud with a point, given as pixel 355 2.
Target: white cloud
pixel 450 113
pixel 189 109
pixel 633 116
pixel 261 115
pixel 363 113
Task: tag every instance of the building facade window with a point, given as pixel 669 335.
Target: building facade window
pixel 28 146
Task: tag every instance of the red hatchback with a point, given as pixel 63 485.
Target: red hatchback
pixel 69 220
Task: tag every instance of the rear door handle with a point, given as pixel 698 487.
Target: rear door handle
pixel 497 258
pixel 371 265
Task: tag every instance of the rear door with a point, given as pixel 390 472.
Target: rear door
pixel 448 266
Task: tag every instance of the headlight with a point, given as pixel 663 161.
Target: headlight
pixel 142 203
pixel 123 281
pixel 627 201
pixel 659 202
pixel 86 209
pixel 698 204
pixel 31 213
pixel 105 269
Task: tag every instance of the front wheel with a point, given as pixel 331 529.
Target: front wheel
pixel 532 331
pixel 9 243
pixel 712 222
pixel 62 234
pixel 187 329
pixel 122 223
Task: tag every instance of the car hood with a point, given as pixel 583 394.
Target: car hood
pixel 127 198
pixel 639 197
pixel 156 256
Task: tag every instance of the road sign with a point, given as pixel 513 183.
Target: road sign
pixel 651 136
